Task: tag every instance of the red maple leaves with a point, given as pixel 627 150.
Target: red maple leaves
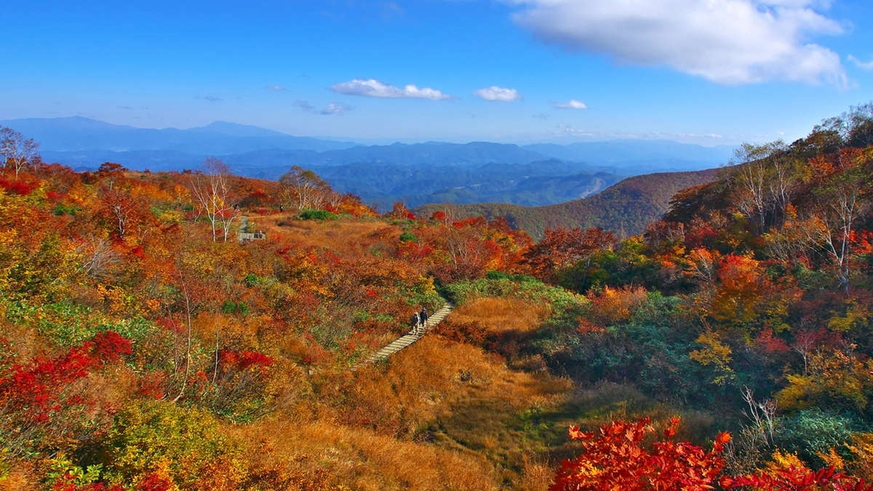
pixel 617 458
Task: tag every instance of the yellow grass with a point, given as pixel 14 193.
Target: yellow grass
pixel 359 459
pixel 455 395
pixel 502 314
pixel 343 236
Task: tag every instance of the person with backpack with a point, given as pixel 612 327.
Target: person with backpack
pixel 416 322
pixel 422 317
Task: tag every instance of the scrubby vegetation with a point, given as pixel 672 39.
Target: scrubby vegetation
pixel 145 346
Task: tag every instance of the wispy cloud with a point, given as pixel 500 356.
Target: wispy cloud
pixel 374 88
pixel 724 41
pixel 305 105
pixel 210 98
pixel 334 110
pixel 495 93
pixel 565 130
pixel 391 9
pixel 331 109
pixel 863 65
pixel 572 104
pixel 275 88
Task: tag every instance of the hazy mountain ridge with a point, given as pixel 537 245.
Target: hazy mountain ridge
pixel 416 174
pixel 79 134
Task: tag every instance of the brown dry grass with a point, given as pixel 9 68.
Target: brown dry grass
pixel 535 476
pixel 502 314
pixel 354 458
pixel 503 325
pixel 342 236
pixel 455 396
pixel 19 478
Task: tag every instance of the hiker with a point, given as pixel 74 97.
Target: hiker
pixel 416 322
pixel 422 316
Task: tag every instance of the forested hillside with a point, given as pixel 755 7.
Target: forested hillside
pixel 626 207
pixel 198 330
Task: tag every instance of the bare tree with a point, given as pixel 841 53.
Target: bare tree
pixel 755 441
pixel 751 177
pixel 303 189
pixel 840 205
pixel 782 181
pixel 122 210
pixel 762 414
pixel 97 256
pixel 212 196
pixel 17 152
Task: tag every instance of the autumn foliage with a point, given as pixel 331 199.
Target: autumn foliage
pixel 199 330
pixel 619 457
pixel 616 458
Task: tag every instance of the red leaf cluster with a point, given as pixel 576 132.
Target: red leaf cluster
pixel 616 458
pixel 68 483
pixel 245 359
pixel 794 479
pixel 34 388
pixel 18 186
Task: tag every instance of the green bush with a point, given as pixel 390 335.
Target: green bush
pixel 813 432
pixel 566 305
pixel 231 307
pixel 63 209
pixel 251 280
pixel 317 215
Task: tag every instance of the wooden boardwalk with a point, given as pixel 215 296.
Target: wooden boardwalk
pixel 409 339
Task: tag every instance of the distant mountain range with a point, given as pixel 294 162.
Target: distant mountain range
pixel 416 174
pixel 77 134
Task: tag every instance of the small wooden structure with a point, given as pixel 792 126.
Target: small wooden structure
pixel 250 236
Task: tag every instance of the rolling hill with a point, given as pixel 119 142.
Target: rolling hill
pixel 626 208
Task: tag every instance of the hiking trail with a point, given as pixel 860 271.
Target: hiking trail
pixel 409 339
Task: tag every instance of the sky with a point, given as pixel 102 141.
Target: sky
pixel 712 72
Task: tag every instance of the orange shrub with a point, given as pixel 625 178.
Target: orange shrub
pixel 616 305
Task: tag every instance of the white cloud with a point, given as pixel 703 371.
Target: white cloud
pixel 334 109
pixel 375 88
pixel 863 65
pixel 275 88
pixel 495 93
pixel 573 104
pixel 331 109
pixel 724 41
pixel 563 129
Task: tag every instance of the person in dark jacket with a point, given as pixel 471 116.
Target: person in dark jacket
pixel 416 323
pixel 422 318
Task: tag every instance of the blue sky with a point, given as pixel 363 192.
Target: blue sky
pixel 703 71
